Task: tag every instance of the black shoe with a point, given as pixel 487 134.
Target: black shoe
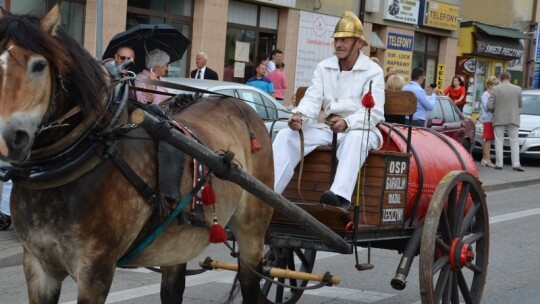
pixel 518 169
pixel 329 198
pixel 5 221
pixel 497 168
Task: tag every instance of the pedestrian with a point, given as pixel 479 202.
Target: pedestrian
pixel 389 72
pixel 260 81
pixel 504 102
pixel 157 62
pixel 202 71
pixel 342 108
pixel 424 104
pixel 456 92
pixel 275 58
pixel 489 134
pixel 279 81
pixel 396 83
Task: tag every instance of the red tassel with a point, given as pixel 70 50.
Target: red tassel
pixel 255 145
pixel 208 197
pixel 217 233
pixel 367 101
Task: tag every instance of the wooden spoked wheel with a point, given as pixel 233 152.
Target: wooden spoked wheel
pixel 283 290
pixel 455 242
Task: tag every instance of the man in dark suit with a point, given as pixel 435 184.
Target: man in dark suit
pixel 202 71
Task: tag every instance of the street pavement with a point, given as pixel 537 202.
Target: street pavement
pixel 492 180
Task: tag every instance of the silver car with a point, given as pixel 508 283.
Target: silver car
pixel 529 129
pixel 273 113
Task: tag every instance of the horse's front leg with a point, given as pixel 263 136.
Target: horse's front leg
pixel 173 284
pixel 42 287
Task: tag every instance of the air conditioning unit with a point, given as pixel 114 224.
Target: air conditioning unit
pixel 373 6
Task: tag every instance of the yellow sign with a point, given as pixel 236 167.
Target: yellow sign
pixel 399 54
pixel 440 75
pixel 441 15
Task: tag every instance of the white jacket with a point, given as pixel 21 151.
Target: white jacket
pixel 341 93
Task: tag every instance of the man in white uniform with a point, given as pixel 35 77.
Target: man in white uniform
pixel 338 85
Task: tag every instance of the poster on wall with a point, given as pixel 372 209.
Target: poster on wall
pixel 399 50
pixel 314 44
pixel 405 11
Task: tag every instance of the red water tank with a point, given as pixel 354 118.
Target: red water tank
pixel 433 156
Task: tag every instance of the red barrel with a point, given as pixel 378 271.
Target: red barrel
pixel 433 156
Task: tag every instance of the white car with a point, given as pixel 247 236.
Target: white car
pixel 273 113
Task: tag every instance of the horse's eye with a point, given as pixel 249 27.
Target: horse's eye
pixel 39 66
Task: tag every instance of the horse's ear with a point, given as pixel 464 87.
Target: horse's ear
pixel 51 21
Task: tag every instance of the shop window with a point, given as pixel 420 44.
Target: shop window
pixel 251 32
pixel 425 55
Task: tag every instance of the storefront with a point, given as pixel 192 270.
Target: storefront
pixel 486 50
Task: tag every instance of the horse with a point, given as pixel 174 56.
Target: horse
pixel 75 211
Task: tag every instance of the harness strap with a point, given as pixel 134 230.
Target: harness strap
pixel 142 187
pixel 179 208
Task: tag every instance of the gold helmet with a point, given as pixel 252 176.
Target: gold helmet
pixel 349 26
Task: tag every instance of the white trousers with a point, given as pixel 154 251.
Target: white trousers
pixel 286 148
pixel 513 132
pixel 6 194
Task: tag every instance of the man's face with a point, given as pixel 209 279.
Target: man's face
pixel 124 54
pixel 278 57
pixel 261 70
pixel 346 46
pixel 200 61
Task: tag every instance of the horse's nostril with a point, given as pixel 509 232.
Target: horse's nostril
pixel 20 139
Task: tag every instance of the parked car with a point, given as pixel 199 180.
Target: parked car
pixel 273 113
pixel 529 129
pixel 447 119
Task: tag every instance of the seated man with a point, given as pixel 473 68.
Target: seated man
pixel 338 85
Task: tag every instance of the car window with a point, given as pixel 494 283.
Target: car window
pixel 531 105
pixel 270 108
pixel 254 99
pixel 437 111
pixel 229 92
pixel 449 111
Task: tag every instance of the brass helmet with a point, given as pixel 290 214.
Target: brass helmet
pixel 349 26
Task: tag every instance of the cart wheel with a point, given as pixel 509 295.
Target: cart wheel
pixel 284 258
pixel 455 242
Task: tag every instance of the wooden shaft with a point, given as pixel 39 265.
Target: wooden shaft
pixel 275 272
pixel 225 171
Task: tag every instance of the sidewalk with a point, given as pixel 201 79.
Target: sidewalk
pixel 492 180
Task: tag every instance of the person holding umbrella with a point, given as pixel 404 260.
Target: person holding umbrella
pixel 157 62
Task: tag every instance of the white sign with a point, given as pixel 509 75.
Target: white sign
pixel 314 44
pixel 241 51
pixel 392 215
pixel 405 11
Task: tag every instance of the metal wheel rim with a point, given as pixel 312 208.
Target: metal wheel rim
pixel 445 236
pixel 284 258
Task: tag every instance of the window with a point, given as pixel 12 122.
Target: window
pixel 437 111
pixel 173 12
pixel 253 28
pixel 425 54
pixel 449 111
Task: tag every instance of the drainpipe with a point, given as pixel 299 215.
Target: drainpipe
pixel 363 10
pixel 99 29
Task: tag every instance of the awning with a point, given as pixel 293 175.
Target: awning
pixel 497 47
pixel 376 41
pixel 501 31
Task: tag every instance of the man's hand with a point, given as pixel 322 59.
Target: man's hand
pixel 295 122
pixel 337 124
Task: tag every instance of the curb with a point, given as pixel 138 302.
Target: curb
pixel 510 185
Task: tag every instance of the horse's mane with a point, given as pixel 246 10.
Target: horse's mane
pixel 83 77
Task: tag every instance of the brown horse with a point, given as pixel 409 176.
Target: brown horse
pixel 74 211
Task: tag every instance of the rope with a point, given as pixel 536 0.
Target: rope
pixel 144 244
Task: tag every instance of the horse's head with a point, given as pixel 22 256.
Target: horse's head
pixel 41 68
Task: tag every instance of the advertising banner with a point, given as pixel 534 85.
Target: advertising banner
pixel 314 44
pixel 440 76
pixel 405 11
pixel 399 50
pixel 440 15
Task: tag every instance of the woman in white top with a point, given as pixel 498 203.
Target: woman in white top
pixel 487 116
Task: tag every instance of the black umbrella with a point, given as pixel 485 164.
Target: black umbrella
pixel 143 38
